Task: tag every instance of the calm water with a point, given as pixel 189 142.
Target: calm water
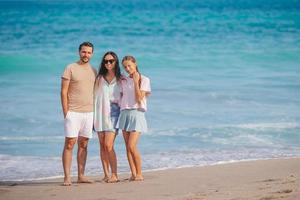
pixel 225 79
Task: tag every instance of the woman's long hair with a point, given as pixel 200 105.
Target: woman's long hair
pixel 103 71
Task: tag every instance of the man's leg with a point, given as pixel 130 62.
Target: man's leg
pixel 81 159
pixel 67 159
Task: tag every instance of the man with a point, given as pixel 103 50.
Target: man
pixel 77 104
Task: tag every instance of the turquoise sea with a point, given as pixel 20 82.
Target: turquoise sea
pixel 225 79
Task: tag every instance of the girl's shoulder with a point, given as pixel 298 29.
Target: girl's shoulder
pixel 122 80
pixel 146 78
pixel 123 77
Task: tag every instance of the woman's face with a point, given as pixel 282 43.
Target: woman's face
pixel 109 62
pixel 129 66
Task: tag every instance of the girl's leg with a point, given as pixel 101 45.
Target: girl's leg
pixel 132 146
pixel 129 155
pixel 103 155
pixel 109 149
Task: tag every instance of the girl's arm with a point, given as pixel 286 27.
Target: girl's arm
pixel 139 95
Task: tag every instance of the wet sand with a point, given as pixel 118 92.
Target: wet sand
pixel 261 180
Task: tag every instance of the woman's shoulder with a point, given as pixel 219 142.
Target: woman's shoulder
pixel 99 78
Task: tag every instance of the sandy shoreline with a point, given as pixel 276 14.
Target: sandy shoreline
pixel 261 180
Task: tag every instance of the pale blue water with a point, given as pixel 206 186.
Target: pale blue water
pixel 225 79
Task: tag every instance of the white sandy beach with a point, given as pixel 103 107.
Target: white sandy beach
pixel 261 180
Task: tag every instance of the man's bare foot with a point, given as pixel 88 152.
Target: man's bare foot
pixel 84 180
pixel 113 179
pixel 139 178
pixel 67 182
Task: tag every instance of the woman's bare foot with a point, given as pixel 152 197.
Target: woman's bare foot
pixel 131 178
pixel 67 181
pixel 84 179
pixel 104 179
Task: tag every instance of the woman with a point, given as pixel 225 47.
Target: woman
pixel 106 112
pixel 134 90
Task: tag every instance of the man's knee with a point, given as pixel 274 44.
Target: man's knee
pixel 82 144
pixel 69 144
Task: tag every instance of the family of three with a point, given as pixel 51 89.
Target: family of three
pixel 105 101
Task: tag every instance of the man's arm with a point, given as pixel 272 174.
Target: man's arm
pixel 64 95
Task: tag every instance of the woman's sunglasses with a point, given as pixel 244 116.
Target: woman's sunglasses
pixel 109 61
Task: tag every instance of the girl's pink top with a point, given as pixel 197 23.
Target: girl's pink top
pixel 128 93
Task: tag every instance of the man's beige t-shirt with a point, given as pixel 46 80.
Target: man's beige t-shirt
pixel 80 92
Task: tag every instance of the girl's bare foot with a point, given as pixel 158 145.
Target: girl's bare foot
pixel 139 178
pixel 113 179
pixel 67 181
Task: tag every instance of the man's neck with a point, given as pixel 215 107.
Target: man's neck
pixel 82 63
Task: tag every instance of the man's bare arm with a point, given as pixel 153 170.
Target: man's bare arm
pixel 64 95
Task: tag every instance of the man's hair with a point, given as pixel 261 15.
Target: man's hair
pixel 88 44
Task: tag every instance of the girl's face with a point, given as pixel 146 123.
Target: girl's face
pixel 129 66
pixel 109 62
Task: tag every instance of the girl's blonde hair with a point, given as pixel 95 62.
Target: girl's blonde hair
pixel 132 59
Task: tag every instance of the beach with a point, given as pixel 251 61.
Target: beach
pixel 261 180
pixel 225 81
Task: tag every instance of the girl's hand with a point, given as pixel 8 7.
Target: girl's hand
pixel 136 77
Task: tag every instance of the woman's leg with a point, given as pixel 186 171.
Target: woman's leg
pixel 111 154
pixel 129 155
pixel 103 155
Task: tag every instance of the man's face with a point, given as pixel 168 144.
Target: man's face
pixel 85 53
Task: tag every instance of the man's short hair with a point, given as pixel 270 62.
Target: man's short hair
pixel 88 44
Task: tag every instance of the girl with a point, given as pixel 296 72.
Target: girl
pixel 106 112
pixel 134 90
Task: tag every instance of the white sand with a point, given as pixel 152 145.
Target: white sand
pixel 261 180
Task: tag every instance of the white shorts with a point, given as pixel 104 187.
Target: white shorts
pixel 79 124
